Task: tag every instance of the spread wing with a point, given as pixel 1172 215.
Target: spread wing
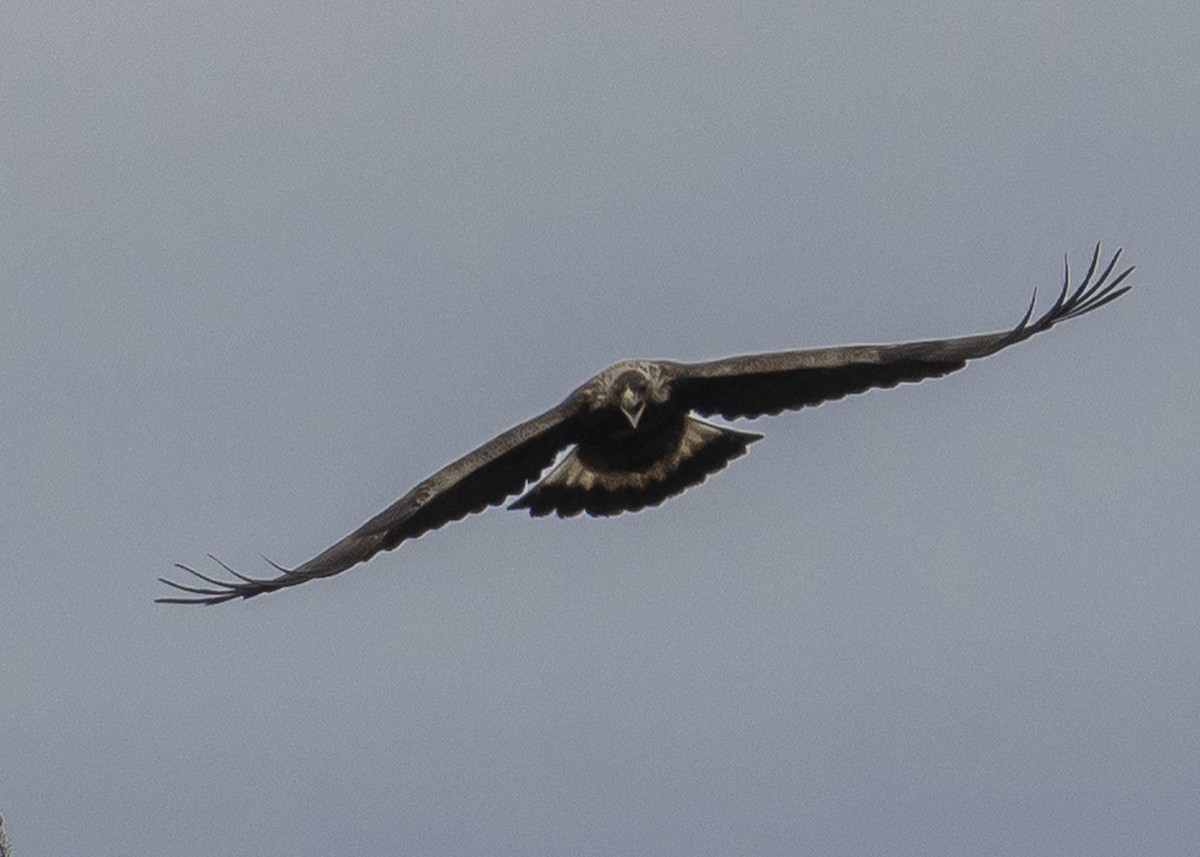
pixel 758 384
pixel 481 478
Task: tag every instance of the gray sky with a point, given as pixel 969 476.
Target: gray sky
pixel 265 266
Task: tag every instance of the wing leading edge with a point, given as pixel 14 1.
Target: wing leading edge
pixel 484 477
pixel 756 384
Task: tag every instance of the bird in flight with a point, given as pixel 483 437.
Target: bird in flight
pixel 634 438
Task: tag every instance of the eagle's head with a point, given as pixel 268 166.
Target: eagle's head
pixel 632 390
pixel 633 403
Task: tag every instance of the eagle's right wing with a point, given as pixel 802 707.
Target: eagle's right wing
pixel 758 384
pixel 481 478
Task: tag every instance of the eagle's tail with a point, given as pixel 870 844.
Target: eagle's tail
pixel 573 486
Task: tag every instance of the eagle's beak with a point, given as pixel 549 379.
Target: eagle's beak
pixel 632 406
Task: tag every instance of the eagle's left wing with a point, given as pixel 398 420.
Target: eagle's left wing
pixel 758 384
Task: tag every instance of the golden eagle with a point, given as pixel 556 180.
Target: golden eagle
pixel 634 440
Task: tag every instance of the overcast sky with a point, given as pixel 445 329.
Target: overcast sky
pixel 264 266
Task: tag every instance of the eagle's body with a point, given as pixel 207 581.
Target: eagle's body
pixel 634 438
pixel 635 445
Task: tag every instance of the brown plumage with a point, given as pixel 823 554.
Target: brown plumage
pixel 634 438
